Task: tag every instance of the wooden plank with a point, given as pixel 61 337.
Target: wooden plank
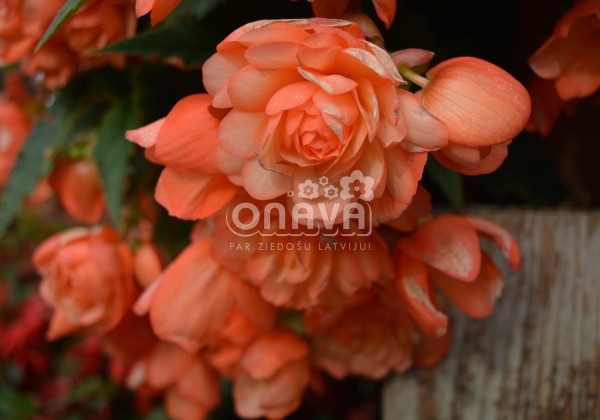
pixel 538 355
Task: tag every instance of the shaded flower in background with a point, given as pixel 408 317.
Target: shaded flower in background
pixel 369 335
pixel 190 386
pixel 87 279
pixel 567 66
pixel 571 56
pixel 95 25
pixel 274 374
pixel 15 127
pixel 77 185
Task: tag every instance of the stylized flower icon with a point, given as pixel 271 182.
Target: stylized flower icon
pixel 331 192
pixel 308 189
pixel 357 186
pixel 324 181
pixel 290 193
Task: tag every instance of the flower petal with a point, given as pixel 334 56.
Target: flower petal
pixel 191 195
pixel 237 133
pixel 386 10
pixel 472 161
pixel 425 132
pixel 166 363
pixel 448 243
pixel 187 139
pixel 413 286
pixel 273 55
pixel 404 172
pixel 251 89
pixel 505 241
pixel 270 352
pixel 220 67
pixel 481 104
pixel 262 183
pixel 145 136
pixel 476 298
pixel 290 96
pixel 161 9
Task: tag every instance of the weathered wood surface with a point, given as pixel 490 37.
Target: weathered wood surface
pixel 538 355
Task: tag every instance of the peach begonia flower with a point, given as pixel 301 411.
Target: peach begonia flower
pixel 305 268
pixel 445 252
pixel 14 130
pixel 371 335
pixel 77 186
pixel 190 385
pixel 290 101
pixel 571 56
pixel 191 302
pixel 95 25
pixel 158 9
pixel 482 106
pixel 386 9
pixel 275 371
pixel 56 63
pixel 87 278
pixel 22 25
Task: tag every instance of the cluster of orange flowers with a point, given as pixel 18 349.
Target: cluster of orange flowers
pixel 315 248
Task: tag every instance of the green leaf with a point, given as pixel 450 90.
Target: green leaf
pixel 65 12
pixel 188 40
pixel 34 162
pixel 16 405
pixel 449 182
pixel 112 155
pixel 197 8
pixel 92 387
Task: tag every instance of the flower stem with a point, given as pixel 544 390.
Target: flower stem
pixel 414 77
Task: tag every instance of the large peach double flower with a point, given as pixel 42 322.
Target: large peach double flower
pixel 287 101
